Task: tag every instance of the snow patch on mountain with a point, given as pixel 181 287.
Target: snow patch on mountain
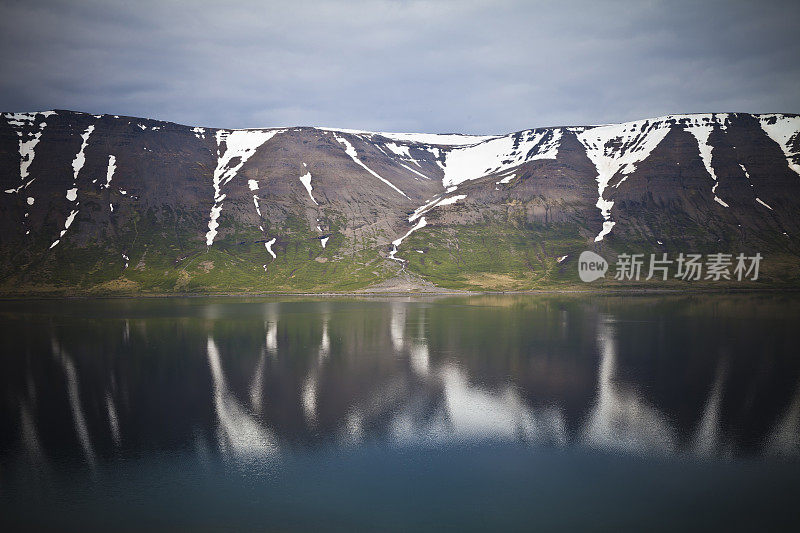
pixel 451 200
pixel 418 212
pixel 240 145
pixel 67 224
pixel 784 130
pixel 437 202
pixel 500 154
pixel 438 139
pixel 112 166
pixel 80 157
pixel 29 132
pixel 420 174
pixel 397 242
pixel 618 148
pixel 720 201
pixel 253 186
pixel 701 126
pixel 398 149
pixel 305 179
pixel 268 246
pixel 762 202
pixel 746 174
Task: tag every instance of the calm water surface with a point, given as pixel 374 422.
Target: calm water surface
pixel 455 413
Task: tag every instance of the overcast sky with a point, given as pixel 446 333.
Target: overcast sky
pixel 432 66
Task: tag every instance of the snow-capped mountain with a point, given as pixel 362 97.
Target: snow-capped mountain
pixel 111 203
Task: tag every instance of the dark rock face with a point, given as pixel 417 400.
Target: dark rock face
pixel 107 203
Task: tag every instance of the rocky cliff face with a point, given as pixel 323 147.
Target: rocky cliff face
pixel 101 203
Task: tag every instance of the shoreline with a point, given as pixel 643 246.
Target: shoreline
pixel 615 291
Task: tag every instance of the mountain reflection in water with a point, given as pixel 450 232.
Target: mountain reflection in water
pixel 250 380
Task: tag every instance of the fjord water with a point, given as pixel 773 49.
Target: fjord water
pixel 461 413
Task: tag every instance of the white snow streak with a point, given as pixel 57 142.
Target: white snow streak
pixel 618 148
pixel 72 194
pixel 354 155
pixel 414 171
pixel 80 158
pixel 67 224
pixel 268 246
pixel 305 179
pixel 762 202
pixel 451 200
pixel 421 224
pixel 701 127
pixel 112 166
pixel 240 145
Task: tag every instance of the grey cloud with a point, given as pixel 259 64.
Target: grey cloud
pixel 478 67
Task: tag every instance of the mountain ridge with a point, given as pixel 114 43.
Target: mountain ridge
pixel 360 131
pixel 347 209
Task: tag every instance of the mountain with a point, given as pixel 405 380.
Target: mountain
pixel 112 204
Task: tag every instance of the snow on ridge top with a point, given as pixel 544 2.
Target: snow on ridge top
pixel 784 130
pixel 440 139
pixel 666 120
pixel 26 115
pixel 618 148
pixel 29 133
pixel 499 154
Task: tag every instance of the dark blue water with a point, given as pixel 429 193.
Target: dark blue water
pixel 459 413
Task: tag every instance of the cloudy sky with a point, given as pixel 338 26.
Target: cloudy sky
pixel 393 65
